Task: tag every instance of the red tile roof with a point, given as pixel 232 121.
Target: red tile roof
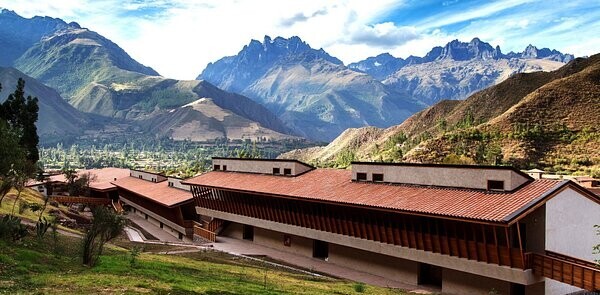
pixel 334 185
pixel 159 192
pixel 102 180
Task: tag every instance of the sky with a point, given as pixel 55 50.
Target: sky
pixel 179 38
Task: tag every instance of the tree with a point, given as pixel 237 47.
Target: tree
pixel 105 226
pixel 21 114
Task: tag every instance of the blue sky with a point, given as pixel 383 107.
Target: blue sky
pixel 179 37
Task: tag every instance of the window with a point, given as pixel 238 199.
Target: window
pixel 320 249
pixel 140 176
pixel 248 232
pixel 361 176
pixel 224 167
pixel 377 177
pixel 287 240
pixel 287 171
pixel 495 185
pixel 276 171
pixel 170 183
pixel 217 167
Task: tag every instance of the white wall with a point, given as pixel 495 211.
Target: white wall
pixel 147 176
pixel 570 220
pixel 440 176
pixel 261 166
pixel 176 183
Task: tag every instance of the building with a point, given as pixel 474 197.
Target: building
pixel 100 184
pixel 163 201
pixel 465 229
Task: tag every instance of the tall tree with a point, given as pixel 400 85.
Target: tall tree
pixel 21 114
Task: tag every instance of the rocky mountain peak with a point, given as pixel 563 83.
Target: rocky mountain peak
pixel 476 49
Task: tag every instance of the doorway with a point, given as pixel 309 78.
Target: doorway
pixel 248 233
pixel 320 249
pixel 430 275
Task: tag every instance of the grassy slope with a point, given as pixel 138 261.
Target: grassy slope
pixel 53 266
pixel 39 267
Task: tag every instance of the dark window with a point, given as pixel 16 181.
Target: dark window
pixel 287 240
pixel 276 171
pixel 180 236
pixel 146 216
pixel 361 176
pixel 217 167
pixel 495 185
pixel 161 225
pixel 517 289
pixel 248 232
pixel 140 176
pixel 320 249
pixel 224 167
pixel 377 177
pixel 430 275
pixel 287 171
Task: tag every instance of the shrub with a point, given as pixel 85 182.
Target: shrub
pixel 105 226
pixel 359 287
pixel 12 228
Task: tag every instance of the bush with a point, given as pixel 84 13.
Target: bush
pixel 12 228
pixel 105 226
pixel 359 287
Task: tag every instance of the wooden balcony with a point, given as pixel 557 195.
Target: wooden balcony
pixel 575 272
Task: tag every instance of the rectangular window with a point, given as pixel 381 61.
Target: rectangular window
pixel 495 185
pixel 377 177
pixel 320 249
pixel 140 177
pixel 224 167
pixel 248 232
pixel 361 176
pixel 217 167
pixel 287 171
pixel 276 171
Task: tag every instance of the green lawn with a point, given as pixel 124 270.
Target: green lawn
pixel 53 267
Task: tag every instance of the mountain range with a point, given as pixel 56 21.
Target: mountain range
pixel 99 78
pixel 543 119
pixel 274 88
pixel 319 97
pixel 311 91
pixel 458 69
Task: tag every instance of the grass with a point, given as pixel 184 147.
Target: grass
pixel 40 267
pixel 29 196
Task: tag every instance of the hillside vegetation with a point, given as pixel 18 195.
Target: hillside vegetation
pixel 547 120
pixel 53 266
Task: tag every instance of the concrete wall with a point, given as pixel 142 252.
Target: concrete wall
pixel 393 268
pixel 525 277
pixel 147 176
pixel 441 176
pixel 462 283
pixel 261 166
pixel 273 239
pixel 176 183
pixel 570 220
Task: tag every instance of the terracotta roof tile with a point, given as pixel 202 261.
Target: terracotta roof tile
pixel 335 185
pixel 159 192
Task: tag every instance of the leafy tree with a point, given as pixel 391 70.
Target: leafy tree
pixel 105 226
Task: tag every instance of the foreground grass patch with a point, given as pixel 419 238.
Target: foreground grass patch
pixel 39 267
